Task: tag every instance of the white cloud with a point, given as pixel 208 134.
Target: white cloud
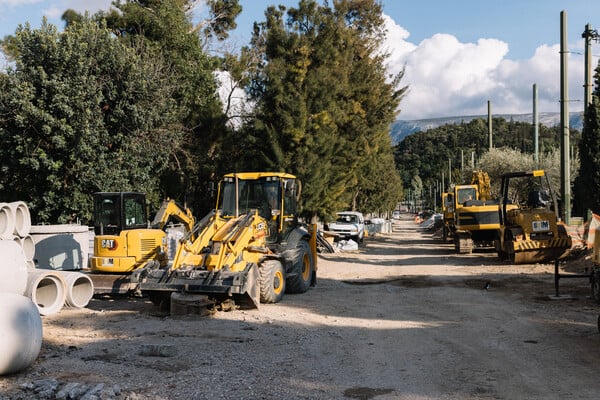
pixel 86 5
pixel 450 78
pixel 53 12
pixel 16 3
pixel 235 102
pixel 3 62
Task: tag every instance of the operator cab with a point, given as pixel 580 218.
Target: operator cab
pixel 272 195
pixel 466 194
pixel 118 211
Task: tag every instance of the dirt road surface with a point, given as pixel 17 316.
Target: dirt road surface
pixel 401 318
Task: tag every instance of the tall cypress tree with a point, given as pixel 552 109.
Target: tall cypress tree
pixel 324 103
pixel 587 185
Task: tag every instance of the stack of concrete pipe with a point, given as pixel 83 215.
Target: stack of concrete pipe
pixel 20 321
pixel 26 292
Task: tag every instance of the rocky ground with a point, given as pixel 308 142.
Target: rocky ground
pixel 401 318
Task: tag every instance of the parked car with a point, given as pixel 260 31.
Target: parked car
pixel 349 225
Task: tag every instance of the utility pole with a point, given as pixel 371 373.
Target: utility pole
pixel 536 129
pixel 589 34
pixel 489 104
pixel 443 186
pixel 564 122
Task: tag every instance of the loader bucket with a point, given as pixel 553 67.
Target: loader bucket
pixel 243 286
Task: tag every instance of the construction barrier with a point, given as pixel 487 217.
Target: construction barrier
pixel 64 247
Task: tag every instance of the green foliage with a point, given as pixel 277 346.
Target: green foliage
pixel 166 29
pixel 427 154
pixel 81 112
pixel 497 162
pixel 223 14
pixel 325 104
pixel 8 47
pixel 587 186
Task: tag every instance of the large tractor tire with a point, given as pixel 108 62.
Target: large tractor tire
pixel 272 281
pixel 303 269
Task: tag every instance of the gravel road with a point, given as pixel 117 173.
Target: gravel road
pixel 401 318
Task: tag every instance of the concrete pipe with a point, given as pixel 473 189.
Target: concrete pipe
pixel 47 290
pixel 79 288
pixel 21 333
pixel 22 218
pixel 7 221
pixel 27 244
pixel 13 268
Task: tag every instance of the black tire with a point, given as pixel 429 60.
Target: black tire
pixel 160 299
pixel 508 238
pixel 502 255
pixel 272 281
pixel 456 241
pixel 595 286
pixel 302 270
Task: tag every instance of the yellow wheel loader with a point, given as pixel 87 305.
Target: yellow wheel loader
pixel 530 229
pixel 124 240
pixel 251 249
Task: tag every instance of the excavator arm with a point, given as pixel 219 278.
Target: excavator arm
pixel 482 180
pixel 170 209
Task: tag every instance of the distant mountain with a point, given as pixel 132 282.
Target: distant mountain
pixel 401 128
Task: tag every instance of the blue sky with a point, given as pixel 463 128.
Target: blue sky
pixel 458 54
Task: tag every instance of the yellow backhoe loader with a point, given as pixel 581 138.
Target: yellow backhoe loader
pixel 124 240
pixel 530 229
pixel 251 249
